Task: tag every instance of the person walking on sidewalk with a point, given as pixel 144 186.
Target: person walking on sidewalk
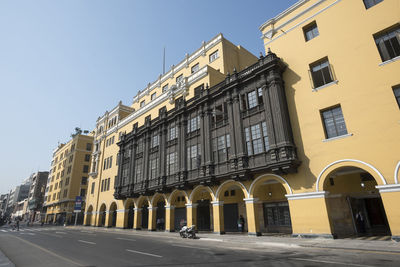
pixel 241 224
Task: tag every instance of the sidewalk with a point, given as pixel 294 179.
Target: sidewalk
pixel 4 261
pixel 243 240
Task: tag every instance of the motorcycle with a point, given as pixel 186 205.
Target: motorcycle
pixel 188 232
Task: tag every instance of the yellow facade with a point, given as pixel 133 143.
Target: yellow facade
pixel 339 177
pixel 68 178
pixel 362 87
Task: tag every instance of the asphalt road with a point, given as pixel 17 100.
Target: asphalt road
pixel 59 246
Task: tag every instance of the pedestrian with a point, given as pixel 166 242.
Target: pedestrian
pixel 158 224
pixel 360 222
pixel 17 222
pixel 240 223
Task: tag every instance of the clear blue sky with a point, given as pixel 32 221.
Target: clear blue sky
pixel 64 63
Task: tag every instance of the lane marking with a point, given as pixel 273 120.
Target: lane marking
pixel 211 239
pixel 87 232
pixel 48 251
pixel 61 233
pixel 181 246
pixel 127 239
pixel 144 253
pixel 87 242
pixel 4 231
pixel 333 262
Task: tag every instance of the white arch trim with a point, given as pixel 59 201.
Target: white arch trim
pixel 274 175
pixel 228 181
pixel 349 160
pixel 154 197
pixel 197 188
pixel 396 173
pixel 173 192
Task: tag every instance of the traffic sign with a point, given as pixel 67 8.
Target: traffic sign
pixel 78 204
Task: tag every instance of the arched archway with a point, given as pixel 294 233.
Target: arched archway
pixel 143 204
pixel 129 219
pixel 102 215
pixel 89 215
pixel 354 204
pixel 112 219
pixel 272 207
pixel 232 194
pixel 159 201
pixel 201 198
pixel 178 200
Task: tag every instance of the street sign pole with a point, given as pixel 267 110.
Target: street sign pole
pixel 76 216
pixel 77 207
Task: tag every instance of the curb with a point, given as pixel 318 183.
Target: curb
pixel 4 261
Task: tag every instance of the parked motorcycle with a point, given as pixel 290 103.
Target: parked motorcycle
pixel 188 232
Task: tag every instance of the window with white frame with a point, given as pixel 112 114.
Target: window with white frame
pixel 256 137
pixel 195 68
pixel 396 91
pixel 388 43
pixel 214 56
pixel 193 155
pixel 321 73
pixel 311 31
pixel 333 120
pixel 172 163
pixel 193 124
pixel 153 96
pixel 371 3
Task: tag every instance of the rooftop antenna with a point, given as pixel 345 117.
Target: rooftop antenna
pixel 163 70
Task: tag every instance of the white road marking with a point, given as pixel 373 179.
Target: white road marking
pixel 87 242
pixel 333 262
pixel 87 232
pixel 181 246
pixel 4 231
pixel 61 233
pixel 144 253
pixel 211 239
pixel 127 239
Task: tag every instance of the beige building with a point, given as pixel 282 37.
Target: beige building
pixel 68 178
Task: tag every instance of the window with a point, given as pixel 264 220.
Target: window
pixel 256 137
pixel 334 123
pixel 154 140
pixel 87 157
pixel 165 88
pixel 142 103
pixel 193 124
pixel 194 157
pixel 388 43
pixel 84 180
pixel 85 168
pixel 321 73
pixel 92 189
pixel 69 169
pixel 71 158
pixel 396 91
pixel 108 183
pixel 89 147
pixel 83 192
pixel 154 167
pixel 371 3
pixel 172 163
pixel 65 193
pixel 138 170
pixel 62 173
pixel 252 99
pixel 195 68
pixel 139 148
pixel 102 186
pixel 153 96
pixel 214 56
pixel 179 78
pixel 310 31
pixel 172 132
pixel 221 146
pixel 67 181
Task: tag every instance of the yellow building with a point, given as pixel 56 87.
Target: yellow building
pixel 342 87
pixel 68 178
pixel 302 141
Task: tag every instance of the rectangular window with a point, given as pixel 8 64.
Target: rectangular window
pixel 142 103
pixel 110 163
pixel 334 123
pixel 371 3
pixel 193 124
pixel 179 78
pixel 396 91
pixel 195 68
pixel 248 142
pixel 173 132
pixel 84 181
pixel 321 73
pixel 154 168
pixel 193 155
pixel 83 192
pixel 71 158
pixel 65 193
pixel 310 31
pixel 153 96
pixel 87 157
pixel 138 170
pixel 265 134
pixel 67 181
pixel 89 146
pixel 165 88
pixel 69 169
pixel 92 189
pixel 220 147
pixel 125 171
pixel 139 148
pixel 252 99
pixel 172 162
pixel 256 138
pixel 85 168
pixel 102 186
pixel 214 56
pixel 155 140
pixel 388 43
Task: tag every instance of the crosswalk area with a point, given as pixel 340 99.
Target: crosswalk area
pixel 26 230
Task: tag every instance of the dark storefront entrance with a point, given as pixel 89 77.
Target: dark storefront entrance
pixel 231 215
pixel 145 217
pixel 203 215
pixel 180 216
pixel 277 217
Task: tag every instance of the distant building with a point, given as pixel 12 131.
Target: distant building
pixel 36 194
pixel 19 193
pixel 68 178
